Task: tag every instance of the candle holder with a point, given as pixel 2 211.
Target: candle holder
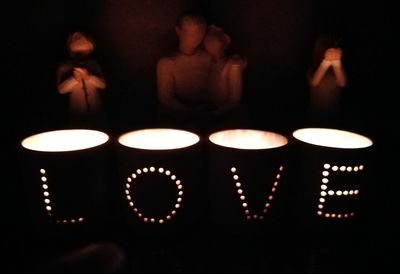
pixel 246 169
pixel 161 182
pixel 332 170
pixel 65 177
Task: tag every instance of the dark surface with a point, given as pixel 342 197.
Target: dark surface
pixel 202 251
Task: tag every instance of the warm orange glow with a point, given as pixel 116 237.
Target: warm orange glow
pixel 65 140
pixel 243 200
pixel 332 138
pixel 158 139
pixel 152 169
pixel 326 192
pixel 248 139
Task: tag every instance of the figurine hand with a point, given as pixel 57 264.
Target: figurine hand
pixel 238 60
pixel 81 74
pixel 333 54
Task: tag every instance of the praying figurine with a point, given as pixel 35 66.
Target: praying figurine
pixel 81 78
pixel 182 76
pixel 326 79
pixel 225 80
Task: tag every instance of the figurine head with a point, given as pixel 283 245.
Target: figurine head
pixel 191 28
pixel 216 41
pixel 80 43
pixel 324 42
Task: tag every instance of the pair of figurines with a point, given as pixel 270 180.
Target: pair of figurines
pixel 200 78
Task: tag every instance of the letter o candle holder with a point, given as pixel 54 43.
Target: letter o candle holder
pixel 160 174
